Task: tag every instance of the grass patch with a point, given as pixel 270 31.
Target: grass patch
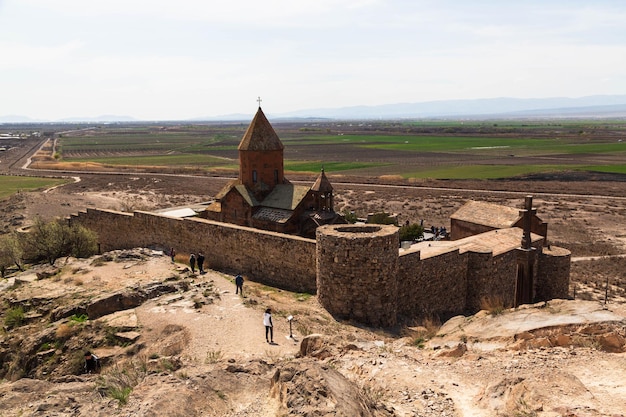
pixel 158 160
pixel 316 166
pixel 79 318
pixel 213 356
pixel 302 296
pixel 10 185
pixel 485 171
pixel 14 317
pixel 494 304
pixel 418 342
pixel 614 169
pixel 118 382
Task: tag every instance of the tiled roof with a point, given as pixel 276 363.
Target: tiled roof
pixel 247 195
pixel 272 214
pixel 226 189
pixel 322 184
pixel 285 196
pixel 495 241
pixel 260 135
pixel 487 214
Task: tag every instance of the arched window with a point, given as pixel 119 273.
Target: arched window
pixel 254 178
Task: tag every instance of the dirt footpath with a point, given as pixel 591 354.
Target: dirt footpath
pixel 225 329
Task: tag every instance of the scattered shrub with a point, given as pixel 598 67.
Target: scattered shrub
pixel 349 216
pixel 494 304
pixel 14 317
pixel 382 218
pixel 64 331
pixel 213 356
pixel 79 318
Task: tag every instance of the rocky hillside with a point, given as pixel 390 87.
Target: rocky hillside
pixel 173 343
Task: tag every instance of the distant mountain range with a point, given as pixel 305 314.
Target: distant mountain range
pixel 601 106
pixel 592 106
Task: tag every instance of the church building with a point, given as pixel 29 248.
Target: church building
pixel 263 198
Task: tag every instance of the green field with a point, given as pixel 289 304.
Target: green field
pixel 316 166
pixel 420 149
pixel 10 185
pixel 184 159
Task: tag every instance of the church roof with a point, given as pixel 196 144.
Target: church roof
pixel 273 215
pixel 285 196
pixel 495 242
pixel 229 185
pixel 260 135
pixel 487 214
pixel 247 195
pixel 322 184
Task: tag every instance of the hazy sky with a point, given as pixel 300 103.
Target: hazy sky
pixel 181 59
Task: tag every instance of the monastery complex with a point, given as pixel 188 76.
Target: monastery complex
pixel 290 237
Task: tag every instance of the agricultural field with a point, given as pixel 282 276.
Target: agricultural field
pixel 418 150
pixel 10 185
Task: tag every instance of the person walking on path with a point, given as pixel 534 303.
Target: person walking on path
pixel 172 254
pixel 269 327
pixel 192 263
pixel 239 284
pixel 201 262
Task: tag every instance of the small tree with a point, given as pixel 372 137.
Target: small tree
pixel 84 241
pixel 411 232
pixel 382 218
pixel 55 239
pixel 349 216
pixel 11 253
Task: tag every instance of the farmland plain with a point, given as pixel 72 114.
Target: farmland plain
pixel 472 150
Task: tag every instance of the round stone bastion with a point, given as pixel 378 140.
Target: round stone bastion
pixel 357 268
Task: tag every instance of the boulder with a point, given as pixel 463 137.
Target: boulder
pixel 455 352
pixel 315 346
pixel 131 298
pixel 612 342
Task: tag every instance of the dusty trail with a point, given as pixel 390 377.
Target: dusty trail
pixel 225 329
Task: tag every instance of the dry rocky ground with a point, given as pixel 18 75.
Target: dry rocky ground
pixel 187 345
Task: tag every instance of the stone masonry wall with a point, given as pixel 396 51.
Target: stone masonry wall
pixel 357 268
pixel 490 277
pixel 275 259
pixel 553 273
pixel 434 286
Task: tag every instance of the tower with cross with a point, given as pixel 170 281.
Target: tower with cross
pixel 524 288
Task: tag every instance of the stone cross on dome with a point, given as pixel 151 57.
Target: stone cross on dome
pixel 259 101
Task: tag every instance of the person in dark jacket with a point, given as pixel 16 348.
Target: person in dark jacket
pixel 92 363
pixel 200 262
pixel 239 284
pixel 192 262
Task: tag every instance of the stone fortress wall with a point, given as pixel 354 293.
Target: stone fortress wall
pixel 275 259
pixel 357 271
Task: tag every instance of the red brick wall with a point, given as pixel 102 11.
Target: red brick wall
pixel 264 163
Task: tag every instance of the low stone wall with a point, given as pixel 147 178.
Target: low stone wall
pixel 274 259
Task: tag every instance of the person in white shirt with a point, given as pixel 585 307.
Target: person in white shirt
pixel 269 327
